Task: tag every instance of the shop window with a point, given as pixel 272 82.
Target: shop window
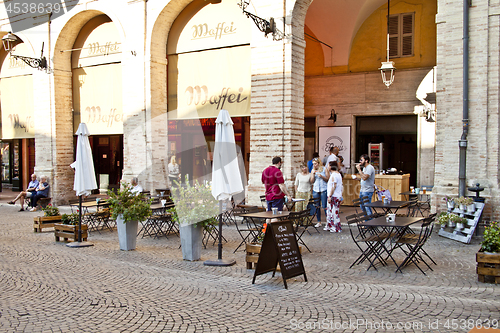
pixel 401 27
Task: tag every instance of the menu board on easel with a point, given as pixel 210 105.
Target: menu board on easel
pixel 280 246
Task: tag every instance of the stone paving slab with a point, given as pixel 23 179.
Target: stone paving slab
pixel 48 287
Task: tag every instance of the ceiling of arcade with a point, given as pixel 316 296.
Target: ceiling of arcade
pixel 354 32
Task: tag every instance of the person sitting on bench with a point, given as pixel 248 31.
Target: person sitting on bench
pixel 26 194
pixel 42 191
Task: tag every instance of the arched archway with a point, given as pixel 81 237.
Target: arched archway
pixel 60 120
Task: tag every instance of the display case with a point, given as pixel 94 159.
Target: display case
pixel 376 153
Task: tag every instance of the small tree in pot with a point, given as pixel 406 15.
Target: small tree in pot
pixel 195 207
pixel 128 208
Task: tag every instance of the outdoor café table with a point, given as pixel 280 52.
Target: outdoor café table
pixel 395 230
pixel 159 223
pixel 90 204
pixel 253 219
pixel 388 208
pixel 422 195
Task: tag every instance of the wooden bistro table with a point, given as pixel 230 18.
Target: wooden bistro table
pixel 90 204
pixel 389 233
pixel 388 208
pixel 254 219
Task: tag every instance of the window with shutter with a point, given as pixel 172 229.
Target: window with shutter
pixel 401 35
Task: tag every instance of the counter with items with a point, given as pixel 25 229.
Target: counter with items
pixel 396 184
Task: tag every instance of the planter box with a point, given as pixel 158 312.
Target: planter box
pixel 253 251
pixel 41 222
pixel 488 267
pixel 69 232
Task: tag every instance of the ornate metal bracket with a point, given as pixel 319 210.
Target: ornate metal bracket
pixel 40 64
pixel 32 62
pixel 267 27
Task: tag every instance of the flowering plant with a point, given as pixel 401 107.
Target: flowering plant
pixel 71 219
pixel 50 210
pixel 194 203
pixel 443 218
pixel 448 199
pixel 132 206
pixel 491 242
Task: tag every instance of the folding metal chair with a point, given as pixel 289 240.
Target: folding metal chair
pixel 301 223
pixel 263 201
pixel 251 231
pixel 313 207
pixel 414 246
pixel 374 242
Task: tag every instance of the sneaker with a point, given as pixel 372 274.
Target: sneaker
pixel 11 202
pixel 317 225
pixel 333 230
pixel 33 209
pixel 326 228
pixel 21 210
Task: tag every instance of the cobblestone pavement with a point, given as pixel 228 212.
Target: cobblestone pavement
pixel 48 287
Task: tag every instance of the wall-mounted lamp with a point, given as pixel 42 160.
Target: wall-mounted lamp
pixel 9 42
pixel 387 69
pixel 267 27
pixel 333 116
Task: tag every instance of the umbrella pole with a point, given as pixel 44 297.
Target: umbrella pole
pixel 220 231
pixel 219 261
pixel 80 219
pixel 79 243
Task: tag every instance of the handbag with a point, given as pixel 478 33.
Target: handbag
pixel 382 191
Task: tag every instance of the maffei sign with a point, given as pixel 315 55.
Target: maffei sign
pixel 209 62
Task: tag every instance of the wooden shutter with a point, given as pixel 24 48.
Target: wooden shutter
pixel 401 35
pixel 407 35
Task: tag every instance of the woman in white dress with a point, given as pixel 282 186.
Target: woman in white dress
pixel 173 171
pixel 335 188
pixel 302 188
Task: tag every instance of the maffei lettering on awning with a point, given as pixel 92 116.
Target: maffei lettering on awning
pixel 97 98
pixel 209 81
pixel 17 107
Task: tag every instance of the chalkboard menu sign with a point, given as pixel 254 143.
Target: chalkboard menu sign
pixel 280 246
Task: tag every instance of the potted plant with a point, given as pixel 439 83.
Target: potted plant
pixel 443 219
pixel 50 216
pixel 450 204
pixel 460 222
pixel 460 202
pixel 194 207
pixel 128 208
pixel 471 206
pixel 488 257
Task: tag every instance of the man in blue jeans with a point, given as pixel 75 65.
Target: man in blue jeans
pixel 367 175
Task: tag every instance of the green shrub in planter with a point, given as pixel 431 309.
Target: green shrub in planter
pixel 491 242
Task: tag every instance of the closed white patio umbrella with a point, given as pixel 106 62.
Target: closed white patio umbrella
pixel 226 177
pixel 85 180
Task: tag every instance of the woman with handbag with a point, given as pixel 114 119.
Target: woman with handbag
pixel 319 177
pixel 335 188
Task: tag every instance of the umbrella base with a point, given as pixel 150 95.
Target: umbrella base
pixel 219 262
pixel 79 244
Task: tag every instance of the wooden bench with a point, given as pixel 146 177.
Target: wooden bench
pixel 43 202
